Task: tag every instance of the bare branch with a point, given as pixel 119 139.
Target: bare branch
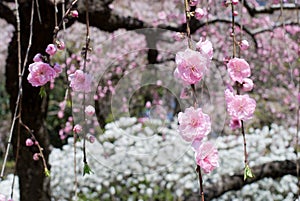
pixel 269 29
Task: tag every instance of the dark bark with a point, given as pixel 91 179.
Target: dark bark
pixel 274 169
pixel 7 14
pixel 33 184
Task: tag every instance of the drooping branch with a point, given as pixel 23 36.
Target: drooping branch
pixel 269 9
pixel 7 14
pixel 269 29
pixel 274 169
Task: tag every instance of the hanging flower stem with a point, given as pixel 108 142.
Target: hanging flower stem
pixel 188 32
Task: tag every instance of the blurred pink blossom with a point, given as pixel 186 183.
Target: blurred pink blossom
pixel 36 156
pixel 238 69
pixel 40 73
pixel 235 123
pixel 37 57
pixel 191 66
pixel 2 197
pixel 241 107
pixel 29 142
pixel 235 2
pixel 51 49
pixel 193 124
pixel 206 157
pixel 80 81
pixel 199 13
pixel 77 128
pixel 205 47
pixel 247 84
pixel 193 2
pixel 244 45
pixel 74 13
pixel 60 45
pixel 90 110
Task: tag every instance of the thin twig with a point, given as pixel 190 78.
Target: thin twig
pixel 233 31
pixel 39 147
pixel 238 85
pixel 87 43
pixel 58 27
pixel 38 11
pixel 20 89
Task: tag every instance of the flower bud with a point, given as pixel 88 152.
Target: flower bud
pixel 29 142
pixel 244 45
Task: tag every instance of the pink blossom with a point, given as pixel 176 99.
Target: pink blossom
pixel 29 142
pixel 206 157
pixel 57 69
pixel 235 2
pixel 193 124
pixel 60 45
pixel 74 13
pixel 38 57
pixel 228 95
pixel 92 139
pixel 80 81
pixel 205 47
pixel 247 84
pixel 238 69
pixel 148 104
pixel 298 98
pixel 193 2
pixel 185 93
pixel 179 36
pixel 241 107
pixel 191 66
pixel 51 49
pixel 235 123
pixel 244 45
pixel 235 13
pixel 36 156
pixel 40 73
pixel 199 13
pixel 2 197
pixel 90 110
pixel 77 128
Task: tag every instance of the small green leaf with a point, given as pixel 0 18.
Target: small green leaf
pixel 87 169
pixel 69 103
pixel 43 92
pixel 248 173
pixel 47 172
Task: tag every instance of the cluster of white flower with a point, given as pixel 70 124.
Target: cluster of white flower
pixel 135 161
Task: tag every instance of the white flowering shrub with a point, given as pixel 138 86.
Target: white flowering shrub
pixel 149 161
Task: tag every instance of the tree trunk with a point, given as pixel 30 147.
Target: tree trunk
pixel 33 183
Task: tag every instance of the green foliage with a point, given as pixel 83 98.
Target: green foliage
pixel 87 169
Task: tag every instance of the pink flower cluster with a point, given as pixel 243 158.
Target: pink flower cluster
pixel 3 198
pixel 80 81
pixel 194 126
pixel 41 72
pixel 192 65
pixel 239 107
